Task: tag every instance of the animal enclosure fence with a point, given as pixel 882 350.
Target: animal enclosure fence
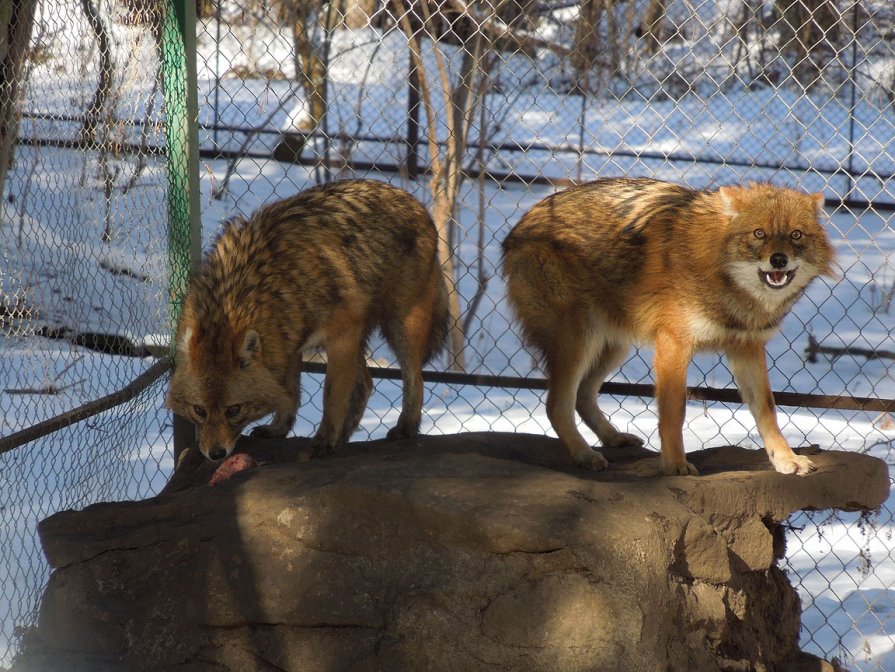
pixel 480 109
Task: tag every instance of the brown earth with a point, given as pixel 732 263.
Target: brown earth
pixel 451 553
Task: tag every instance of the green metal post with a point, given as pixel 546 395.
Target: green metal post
pixel 178 41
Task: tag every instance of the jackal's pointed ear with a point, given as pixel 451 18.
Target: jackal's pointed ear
pixel 183 343
pixel 251 346
pixel 819 201
pixel 729 204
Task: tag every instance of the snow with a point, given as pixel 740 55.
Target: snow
pixel 51 258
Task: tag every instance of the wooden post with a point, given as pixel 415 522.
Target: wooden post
pixel 16 22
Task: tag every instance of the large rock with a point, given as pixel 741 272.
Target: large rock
pixel 469 552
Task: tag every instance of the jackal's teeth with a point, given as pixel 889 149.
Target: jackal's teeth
pixel 777 279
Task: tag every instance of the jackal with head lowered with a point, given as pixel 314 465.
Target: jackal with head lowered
pixel 323 268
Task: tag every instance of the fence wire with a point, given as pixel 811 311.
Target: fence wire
pixel 83 276
pixel 514 98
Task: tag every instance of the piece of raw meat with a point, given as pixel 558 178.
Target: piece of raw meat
pixel 232 465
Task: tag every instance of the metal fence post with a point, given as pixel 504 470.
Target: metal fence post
pixel 413 121
pixel 178 40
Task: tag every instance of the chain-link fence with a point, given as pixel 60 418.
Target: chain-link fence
pixel 84 275
pixel 480 109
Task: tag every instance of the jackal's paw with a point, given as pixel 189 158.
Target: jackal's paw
pixel 270 432
pixel 591 459
pixel 321 447
pixel 622 440
pixel 401 431
pixel 679 469
pixel 794 464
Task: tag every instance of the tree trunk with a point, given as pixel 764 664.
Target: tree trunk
pixel 310 70
pixel 442 215
pixel 612 38
pixel 204 9
pixel 587 42
pixel 653 26
pixel 16 22
pixel 808 30
pixel 312 74
pixel 445 182
pixel 358 13
pixel 97 114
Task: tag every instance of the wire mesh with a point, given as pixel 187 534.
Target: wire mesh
pixel 83 277
pixel 479 108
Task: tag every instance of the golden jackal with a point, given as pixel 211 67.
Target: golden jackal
pixel 322 268
pixel 600 266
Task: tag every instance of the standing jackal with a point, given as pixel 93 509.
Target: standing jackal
pixel 600 266
pixel 322 268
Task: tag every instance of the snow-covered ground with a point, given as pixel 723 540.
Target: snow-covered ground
pixel 54 267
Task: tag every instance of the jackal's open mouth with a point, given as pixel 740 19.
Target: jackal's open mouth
pixel 776 279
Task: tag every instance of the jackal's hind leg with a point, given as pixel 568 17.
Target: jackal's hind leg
pixel 608 358
pixel 409 339
pixel 568 358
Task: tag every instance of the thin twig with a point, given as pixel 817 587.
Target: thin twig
pixel 88 410
pixel 50 389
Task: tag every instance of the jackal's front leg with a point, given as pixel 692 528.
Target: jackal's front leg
pixel 359 396
pixel 343 355
pixel 747 362
pixel 286 408
pixel 671 360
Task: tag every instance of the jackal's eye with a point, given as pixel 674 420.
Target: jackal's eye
pixel 200 412
pixel 759 233
pixel 232 411
pixel 795 235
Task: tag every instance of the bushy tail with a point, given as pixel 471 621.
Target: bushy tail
pixel 440 318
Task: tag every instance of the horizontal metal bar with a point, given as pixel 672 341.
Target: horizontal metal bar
pixel 669 157
pixel 726 395
pixel 362 166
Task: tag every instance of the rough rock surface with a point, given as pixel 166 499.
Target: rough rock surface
pixel 455 553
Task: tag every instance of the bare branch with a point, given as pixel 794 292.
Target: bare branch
pixel 814 349
pixel 498 31
pixel 87 410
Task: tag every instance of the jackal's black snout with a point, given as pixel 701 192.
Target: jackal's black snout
pixel 779 260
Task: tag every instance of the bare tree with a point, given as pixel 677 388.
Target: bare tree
pixel 16 23
pixel 461 98
pixel 809 32
pixel 587 45
pixel 358 13
pixel 97 111
pixel 653 27
pixel 309 58
pixel 610 35
pixel 100 118
pixel 598 41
